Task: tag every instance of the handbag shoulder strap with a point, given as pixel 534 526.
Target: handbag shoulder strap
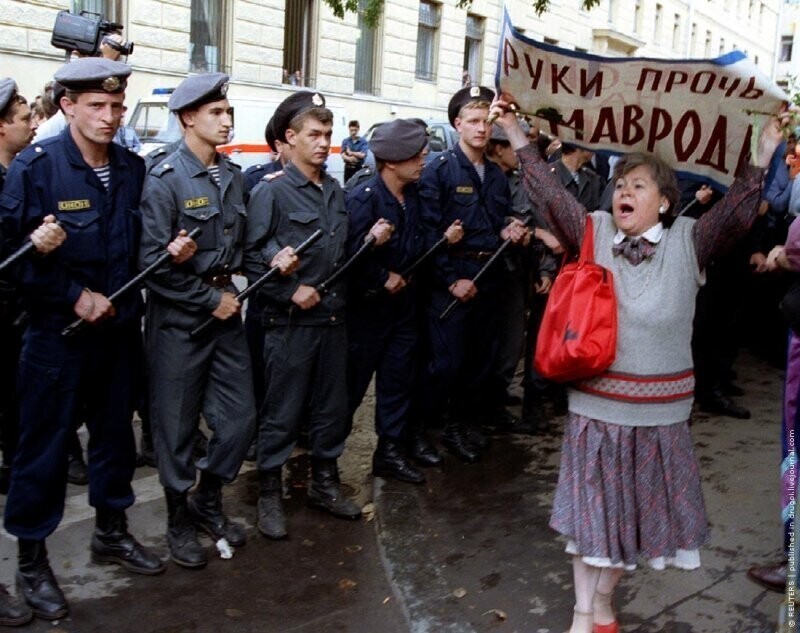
pixel 587 247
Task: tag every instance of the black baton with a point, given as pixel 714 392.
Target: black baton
pixel 423 258
pixel 20 252
pixel 77 326
pixel 326 285
pixel 211 321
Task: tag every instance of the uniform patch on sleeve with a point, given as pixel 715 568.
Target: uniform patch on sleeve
pixel 74 205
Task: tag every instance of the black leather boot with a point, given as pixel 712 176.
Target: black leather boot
pixel 112 543
pixel 325 492
pixel 206 508
pixel 36 583
pixel 271 518
pixel 454 439
pixel 476 437
pixel 184 548
pixel 147 456
pixel 77 472
pixel 13 612
pixel 422 451
pixel 389 461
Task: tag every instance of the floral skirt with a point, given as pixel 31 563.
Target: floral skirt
pixel 627 492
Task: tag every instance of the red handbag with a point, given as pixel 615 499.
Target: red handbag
pixel 578 335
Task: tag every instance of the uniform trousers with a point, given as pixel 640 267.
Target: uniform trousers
pixel 57 375
pixel 382 337
pixel 209 375
pixel 305 371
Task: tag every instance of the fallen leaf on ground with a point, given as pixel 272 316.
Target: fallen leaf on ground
pixel 353 549
pixel 368 511
pixel 233 613
pixel 460 592
pixel 346 583
pixel 500 615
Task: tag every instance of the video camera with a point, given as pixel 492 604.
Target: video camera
pixel 85 33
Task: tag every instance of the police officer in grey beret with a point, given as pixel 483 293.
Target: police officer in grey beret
pixel 196 187
pixel 305 339
pixel 93 187
pixel 382 304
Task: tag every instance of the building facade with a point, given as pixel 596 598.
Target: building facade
pixel 421 52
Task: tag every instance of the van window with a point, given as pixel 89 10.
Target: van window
pixel 154 123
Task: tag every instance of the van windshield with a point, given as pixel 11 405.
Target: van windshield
pixel 154 123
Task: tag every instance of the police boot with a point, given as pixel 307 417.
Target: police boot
pixel 325 491
pixel 184 548
pixel 77 473
pixel 389 461
pixel 476 437
pixel 206 510
pixel 36 583
pixel 454 439
pixel 422 451
pixel 271 518
pixel 112 543
pixel 147 456
pixel 13 612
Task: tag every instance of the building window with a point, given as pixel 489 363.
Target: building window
pixel 366 54
pixel 637 16
pixel 298 39
pixel 473 48
pixel 708 44
pixel 657 23
pixel 721 45
pixel 205 36
pixel 787 42
pixel 427 40
pixel 693 50
pixel 109 9
pixel 550 40
pixel 676 33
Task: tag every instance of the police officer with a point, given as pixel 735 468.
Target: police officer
pixel 305 341
pixel 382 320
pixel 461 184
pixel 254 174
pixel 93 187
pixel 196 187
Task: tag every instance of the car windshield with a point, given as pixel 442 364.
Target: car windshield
pixel 154 123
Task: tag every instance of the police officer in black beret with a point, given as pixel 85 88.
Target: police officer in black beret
pixel 196 187
pixel 382 304
pixel 305 340
pixel 461 184
pixel 253 174
pixel 92 186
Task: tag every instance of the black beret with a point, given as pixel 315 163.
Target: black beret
pixel 465 96
pixel 197 90
pixel 292 106
pixel 93 74
pixel 8 89
pixel 269 134
pixel 399 140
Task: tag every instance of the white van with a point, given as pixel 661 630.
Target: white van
pixel 156 125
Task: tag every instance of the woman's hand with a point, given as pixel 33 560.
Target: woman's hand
pixel 772 136
pixel 502 112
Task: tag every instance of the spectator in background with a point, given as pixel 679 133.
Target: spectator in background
pixel 354 150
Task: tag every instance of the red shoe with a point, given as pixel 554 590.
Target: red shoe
pixel 606 628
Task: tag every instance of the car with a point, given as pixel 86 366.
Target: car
pixel 442 137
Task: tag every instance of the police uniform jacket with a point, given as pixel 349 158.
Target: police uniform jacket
pixel 589 188
pixel 103 227
pixel 284 209
pixel 180 194
pixel 450 189
pixel 253 175
pixel 367 204
pixel 542 259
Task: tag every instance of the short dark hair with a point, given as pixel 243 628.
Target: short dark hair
pixel 319 113
pixel 662 173
pixel 8 113
pixel 353 123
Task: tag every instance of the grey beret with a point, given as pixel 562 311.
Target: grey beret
pixel 8 88
pixel 292 106
pixel 398 140
pixel 197 90
pixel 499 134
pixel 466 96
pixel 93 74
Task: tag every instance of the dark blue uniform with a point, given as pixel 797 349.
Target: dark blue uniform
pixel 382 327
pixel 57 373
pixel 252 175
pixel 463 346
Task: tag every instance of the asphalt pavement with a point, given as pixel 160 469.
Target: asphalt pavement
pixel 469 551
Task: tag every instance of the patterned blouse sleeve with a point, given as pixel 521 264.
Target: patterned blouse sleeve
pixel 730 219
pixel 563 213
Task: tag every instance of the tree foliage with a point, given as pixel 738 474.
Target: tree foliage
pixel 372 8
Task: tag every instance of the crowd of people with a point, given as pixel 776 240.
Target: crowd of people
pixel 397 278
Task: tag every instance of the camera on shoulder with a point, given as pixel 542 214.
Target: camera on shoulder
pixel 85 32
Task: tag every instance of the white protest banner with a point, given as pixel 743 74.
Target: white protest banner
pixel 694 114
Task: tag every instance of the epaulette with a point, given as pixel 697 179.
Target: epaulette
pixel 31 154
pixel 157 152
pixel 161 169
pixel 273 175
pixel 230 162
